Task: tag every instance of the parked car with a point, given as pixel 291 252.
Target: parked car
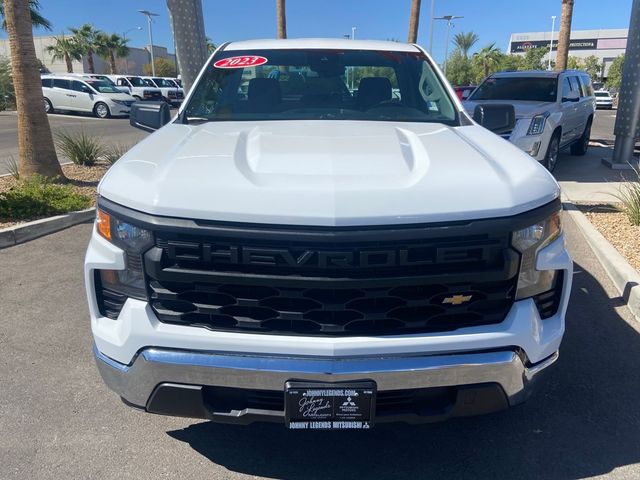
pixel 323 259
pixel 554 110
pixel 603 99
pixel 171 93
pixel 137 87
pixel 70 93
pixel 463 92
pixel 102 77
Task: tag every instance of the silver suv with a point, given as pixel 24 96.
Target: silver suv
pixel 553 110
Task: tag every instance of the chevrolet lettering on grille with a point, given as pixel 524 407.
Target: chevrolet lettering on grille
pixel 328 259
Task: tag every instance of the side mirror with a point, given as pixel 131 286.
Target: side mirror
pixel 572 96
pixel 149 116
pixel 498 118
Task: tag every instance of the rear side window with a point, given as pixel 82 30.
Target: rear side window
pixel 566 88
pixel 123 82
pixel 585 85
pixel 60 83
pixel 47 82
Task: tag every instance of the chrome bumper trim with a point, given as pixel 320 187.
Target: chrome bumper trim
pixel 136 382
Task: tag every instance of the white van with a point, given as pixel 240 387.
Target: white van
pixel 137 87
pixel 171 92
pixel 103 77
pixel 72 93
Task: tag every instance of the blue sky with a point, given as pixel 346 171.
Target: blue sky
pixel 492 20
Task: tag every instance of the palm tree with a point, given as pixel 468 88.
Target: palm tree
pixel 465 41
pixel 35 143
pixel 562 53
pixel 85 37
pixel 488 57
pixel 111 47
pixel 282 18
pixel 414 20
pixel 66 49
pixel 36 19
pixel 211 47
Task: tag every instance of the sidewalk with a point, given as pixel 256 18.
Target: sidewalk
pixel 586 179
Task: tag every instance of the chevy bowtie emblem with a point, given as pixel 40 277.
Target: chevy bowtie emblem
pixel 457 299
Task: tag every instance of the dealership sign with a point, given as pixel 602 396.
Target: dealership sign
pixel 580 44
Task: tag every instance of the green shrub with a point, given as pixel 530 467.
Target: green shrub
pixel 38 196
pixel 115 151
pixel 80 148
pixel 629 196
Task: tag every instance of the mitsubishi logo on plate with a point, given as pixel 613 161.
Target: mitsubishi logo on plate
pixel 457 299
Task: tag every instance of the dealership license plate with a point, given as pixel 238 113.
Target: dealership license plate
pixel 329 406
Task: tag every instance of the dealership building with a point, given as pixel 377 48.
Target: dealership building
pixel 604 44
pixel 132 64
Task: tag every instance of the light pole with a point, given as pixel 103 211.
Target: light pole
pixel 124 38
pixel 433 12
pixel 150 16
pixel 553 26
pixel 449 19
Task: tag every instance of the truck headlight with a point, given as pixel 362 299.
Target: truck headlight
pixel 537 124
pixel 529 241
pixel 135 241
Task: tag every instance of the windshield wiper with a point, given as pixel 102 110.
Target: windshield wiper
pixel 198 119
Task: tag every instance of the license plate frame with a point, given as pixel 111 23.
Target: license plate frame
pixel 329 406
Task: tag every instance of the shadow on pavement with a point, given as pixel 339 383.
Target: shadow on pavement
pixel 584 421
pixel 589 168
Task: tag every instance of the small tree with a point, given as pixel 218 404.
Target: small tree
pixel 593 67
pixel 164 68
pixel 488 59
pixel 574 63
pixel 512 62
pixel 614 76
pixel 459 69
pixel 533 58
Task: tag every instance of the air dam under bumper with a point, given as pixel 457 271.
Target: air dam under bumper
pixel 188 383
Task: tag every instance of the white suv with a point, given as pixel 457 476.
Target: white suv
pixel 71 93
pixel 553 110
pixel 325 259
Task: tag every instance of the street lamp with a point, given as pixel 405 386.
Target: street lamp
pixel 124 38
pixel 449 19
pixel 553 25
pixel 150 16
pixel 433 12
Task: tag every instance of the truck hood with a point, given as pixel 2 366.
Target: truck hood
pixel 523 109
pixel 330 173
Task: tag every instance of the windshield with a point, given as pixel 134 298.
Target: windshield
pixel 163 82
pixel 534 89
pixel 102 86
pixel 602 94
pixel 296 84
pixel 136 81
pixel 148 82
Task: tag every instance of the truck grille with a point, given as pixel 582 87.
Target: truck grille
pixel 323 282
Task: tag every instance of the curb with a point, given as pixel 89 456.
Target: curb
pixel 39 228
pixel 625 278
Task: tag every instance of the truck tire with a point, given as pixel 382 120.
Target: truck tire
pixel 48 107
pixel 101 110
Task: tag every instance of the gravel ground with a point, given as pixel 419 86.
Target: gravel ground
pixel 615 226
pixel 83 179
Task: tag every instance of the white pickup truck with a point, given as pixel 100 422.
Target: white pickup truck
pixel 326 259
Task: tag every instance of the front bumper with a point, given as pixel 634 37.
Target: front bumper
pixel 147 362
pixel 176 382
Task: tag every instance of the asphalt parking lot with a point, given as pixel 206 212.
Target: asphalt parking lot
pixel 110 131
pixel 59 421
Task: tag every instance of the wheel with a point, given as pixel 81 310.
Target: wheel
pixel 101 110
pixel 48 108
pixel 581 146
pixel 137 98
pixel 553 150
